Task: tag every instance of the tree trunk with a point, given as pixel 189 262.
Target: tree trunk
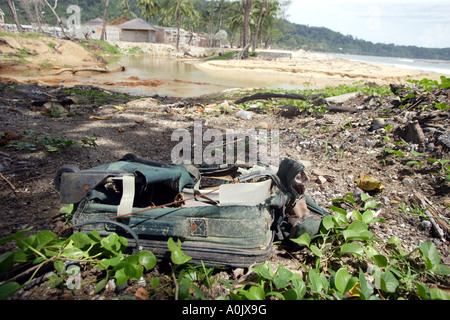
pixel 38 17
pixel 105 18
pixel 178 23
pixel 255 40
pixel 16 20
pixel 245 35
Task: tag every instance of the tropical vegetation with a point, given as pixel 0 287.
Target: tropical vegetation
pixel 241 19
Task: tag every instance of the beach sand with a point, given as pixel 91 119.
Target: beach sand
pixel 303 69
pixel 317 70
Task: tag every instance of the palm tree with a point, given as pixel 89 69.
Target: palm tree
pixel 149 8
pixel 272 11
pixel 245 30
pixel 126 9
pixel 262 4
pixel 179 9
pixel 235 19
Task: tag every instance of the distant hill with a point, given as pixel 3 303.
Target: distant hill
pixel 287 35
pixel 323 39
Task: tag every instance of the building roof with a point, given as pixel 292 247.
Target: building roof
pixel 137 24
pixel 94 22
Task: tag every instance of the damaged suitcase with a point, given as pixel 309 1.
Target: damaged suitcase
pixel 225 215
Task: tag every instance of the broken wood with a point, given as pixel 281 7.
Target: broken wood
pixel 270 95
pixel 101 70
pixel 8 182
pixel 440 226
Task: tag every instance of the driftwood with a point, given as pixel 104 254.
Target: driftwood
pixel 440 226
pixel 104 70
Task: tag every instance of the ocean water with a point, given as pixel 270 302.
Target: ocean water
pixel 439 66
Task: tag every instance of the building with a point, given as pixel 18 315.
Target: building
pixel 138 30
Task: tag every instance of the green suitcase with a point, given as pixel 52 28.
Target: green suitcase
pixel 223 216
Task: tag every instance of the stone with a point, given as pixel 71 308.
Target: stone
pixel 142 105
pixel 343 97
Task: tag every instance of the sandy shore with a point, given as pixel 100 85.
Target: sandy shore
pixel 45 56
pixel 317 70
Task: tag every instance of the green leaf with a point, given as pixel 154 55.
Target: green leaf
pixel 147 259
pixel 438 294
pixel 80 240
pixel 314 249
pixel 255 293
pixel 264 271
pixel 121 277
pixel 385 280
pixel 6 261
pixel 100 285
pixel 282 277
pixel 339 210
pixel 328 224
pixel 315 281
pixel 344 281
pixel 380 260
pixel 15 236
pixel 8 289
pixel 73 253
pixel 59 266
pixel 179 257
pixel 66 209
pixel 422 290
pixel 304 239
pixel 171 245
pixel 353 248
pixel 430 255
pixel 365 289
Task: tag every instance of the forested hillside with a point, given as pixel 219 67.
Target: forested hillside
pixel 212 15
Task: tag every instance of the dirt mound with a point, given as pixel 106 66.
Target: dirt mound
pixel 45 52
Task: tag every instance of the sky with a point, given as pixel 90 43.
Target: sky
pixel 423 23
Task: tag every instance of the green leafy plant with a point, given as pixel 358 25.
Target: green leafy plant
pixel 45 248
pixel 39 140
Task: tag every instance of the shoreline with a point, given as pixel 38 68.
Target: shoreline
pixel 319 70
pixel 303 70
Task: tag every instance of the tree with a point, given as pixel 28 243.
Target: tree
pixel 52 8
pixel 105 18
pixel 245 30
pixel 263 4
pixel 125 7
pixel 149 8
pixel 16 20
pixel 180 9
pixel 234 20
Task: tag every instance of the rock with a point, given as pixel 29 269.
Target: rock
pixel 377 123
pixel 407 182
pixel 412 132
pixel 321 180
pixel 444 140
pixel 343 97
pixel 55 109
pixel 142 105
pixel 425 225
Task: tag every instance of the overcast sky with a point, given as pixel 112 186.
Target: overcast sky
pixel 424 23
